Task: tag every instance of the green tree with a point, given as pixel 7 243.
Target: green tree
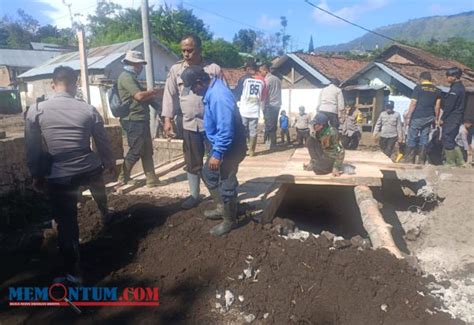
pixel 311 45
pixel 245 40
pixel 222 52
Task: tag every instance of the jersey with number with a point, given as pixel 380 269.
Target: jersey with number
pixel 252 98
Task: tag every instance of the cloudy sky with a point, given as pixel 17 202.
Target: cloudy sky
pixel 225 18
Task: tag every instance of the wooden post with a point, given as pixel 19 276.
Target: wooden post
pixel 379 231
pixel 83 62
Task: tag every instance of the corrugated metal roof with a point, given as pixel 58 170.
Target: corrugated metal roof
pixel 46 47
pixel 25 58
pixel 98 58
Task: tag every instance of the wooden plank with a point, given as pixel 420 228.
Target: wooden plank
pixel 141 180
pixel 138 176
pixel 272 201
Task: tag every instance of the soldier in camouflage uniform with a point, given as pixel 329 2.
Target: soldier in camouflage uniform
pixel 324 147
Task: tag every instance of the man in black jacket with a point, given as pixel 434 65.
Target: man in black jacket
pixel 453 113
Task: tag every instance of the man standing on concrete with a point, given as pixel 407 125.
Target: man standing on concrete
pixel 226 133
pixel 272 106
pixel 190 105
pixel 137 123
pixel 453 113
pixel 324 147
pixel 251 93
pixel 424 111
pixel 389 129
pixel 65 125
pixel 331 102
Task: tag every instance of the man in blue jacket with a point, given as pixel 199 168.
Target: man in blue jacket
pixel 225 131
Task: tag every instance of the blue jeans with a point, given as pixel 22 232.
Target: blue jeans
pixel 419 131
pixel 225 178
pixel 250 125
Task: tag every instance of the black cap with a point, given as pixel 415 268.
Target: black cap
pixel 191 75
pixel 389 105
pixel 454 72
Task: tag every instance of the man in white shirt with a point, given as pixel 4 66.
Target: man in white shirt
pixel 251 94
pixel 331 102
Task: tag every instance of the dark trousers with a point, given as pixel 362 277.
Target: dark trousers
pixel 321 163
pixel 270 115
pixel 333 119
pixel 387 145
pixel 225 178
pixel 285 133
pixel 302 136
pixel 351 142
pixel 194 147
pixel 449 133
pixel 63 193
pixel 139 143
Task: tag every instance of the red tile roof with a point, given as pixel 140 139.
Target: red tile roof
pixel 333 66
pixel 232 76
pixel 419 57
pixel 412 72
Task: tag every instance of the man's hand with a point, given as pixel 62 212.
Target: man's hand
pixel 336 172
pixel 214 163
pixel 375 136
pixel 168 128
pixel 400 140
pixel 440 122
pixel 38 184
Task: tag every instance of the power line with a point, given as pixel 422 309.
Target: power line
pixel 351 23
pixel 225 17
pixel 233 20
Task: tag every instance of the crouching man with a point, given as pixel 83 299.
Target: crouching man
pixel 226 134
pixel 324 147
pixel 66 126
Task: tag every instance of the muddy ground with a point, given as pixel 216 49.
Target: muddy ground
pixel 290 281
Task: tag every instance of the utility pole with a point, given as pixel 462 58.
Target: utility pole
pixel 150 82
pixel 83 63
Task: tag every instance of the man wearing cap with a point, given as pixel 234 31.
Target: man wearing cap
pixel 389 129
pixel 272 104
pixel 137 123
pixel 453 113
pixel 424 111
pixel 226 134
pixel 251 93
pixel 191 108
pixel 324 147
pixel 331 102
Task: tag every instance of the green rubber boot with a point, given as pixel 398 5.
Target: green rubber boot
pixel 459 159
pixel 450 158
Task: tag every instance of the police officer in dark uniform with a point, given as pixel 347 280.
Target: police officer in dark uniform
pixel 453 112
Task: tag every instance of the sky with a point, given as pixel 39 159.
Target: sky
pixel 226 17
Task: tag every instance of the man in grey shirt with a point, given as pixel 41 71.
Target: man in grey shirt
pixel 176 102
pixel 64 125
pixel 273 104
pixel 331 102
pixel 389 129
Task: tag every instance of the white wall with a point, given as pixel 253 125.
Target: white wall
pixel 308 98
pixel 375 77
pixel 402 104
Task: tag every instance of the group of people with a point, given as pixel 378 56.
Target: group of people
pixel 218 126
pixel 434 129
pixel 196 99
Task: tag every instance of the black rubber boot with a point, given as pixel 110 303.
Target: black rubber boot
pixel 218 211
pixel 410 155
pixel 229 222
pixel 422 156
